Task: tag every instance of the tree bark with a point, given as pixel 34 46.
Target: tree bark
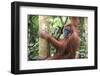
pixel 43 44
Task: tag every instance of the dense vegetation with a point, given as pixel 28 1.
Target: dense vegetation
pixel 56 25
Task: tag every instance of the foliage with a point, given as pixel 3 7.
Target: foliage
pixel 83 37
pixel 56 25
pixel 33 37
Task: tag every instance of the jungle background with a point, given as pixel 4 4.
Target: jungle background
pixel 55 28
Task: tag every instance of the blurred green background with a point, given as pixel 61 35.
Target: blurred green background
pixel 56 25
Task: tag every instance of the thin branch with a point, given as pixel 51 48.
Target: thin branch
pixel 63 23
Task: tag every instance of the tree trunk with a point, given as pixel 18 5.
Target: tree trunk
pixel 43 44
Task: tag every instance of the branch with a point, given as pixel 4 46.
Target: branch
pixel 62 27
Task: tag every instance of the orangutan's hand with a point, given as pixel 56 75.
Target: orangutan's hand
pixel 44 34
